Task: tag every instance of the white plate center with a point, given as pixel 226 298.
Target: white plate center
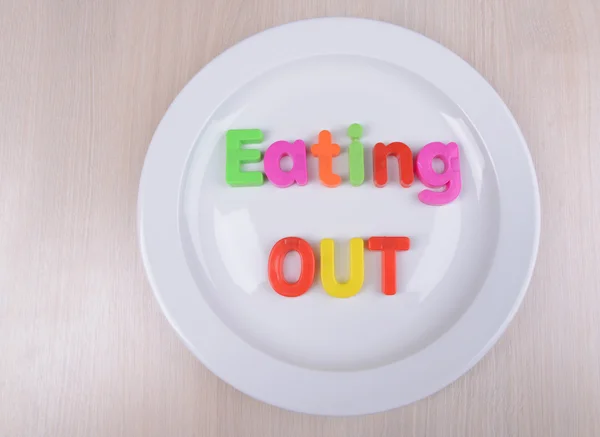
pixel 228 232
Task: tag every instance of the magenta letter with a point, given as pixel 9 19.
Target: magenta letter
pixel 449 178
pixel 297 152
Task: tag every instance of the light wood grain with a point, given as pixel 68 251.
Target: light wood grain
pixel 84 348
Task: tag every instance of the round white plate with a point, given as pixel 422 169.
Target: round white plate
pixel 205 244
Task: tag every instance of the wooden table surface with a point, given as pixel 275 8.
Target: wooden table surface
pixel 84 347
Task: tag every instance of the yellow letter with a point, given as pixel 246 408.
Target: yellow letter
pixel 357 269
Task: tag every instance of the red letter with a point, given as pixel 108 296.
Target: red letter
pixel 307 266
pixel 389 246
pixel 325 151
pixel 405 163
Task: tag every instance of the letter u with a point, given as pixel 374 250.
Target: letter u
pixel 357 269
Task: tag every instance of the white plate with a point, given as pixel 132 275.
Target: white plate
pixel 205 244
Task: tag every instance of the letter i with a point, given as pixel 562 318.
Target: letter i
pixel 356 155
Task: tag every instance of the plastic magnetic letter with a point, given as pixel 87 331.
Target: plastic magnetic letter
pixel 357 269
pixel 297 152
pixel 388 247
pixel 307 266
pixel 405 163
pixel 236 156
pixel 325 150
pixel 449 178
pixel 356 155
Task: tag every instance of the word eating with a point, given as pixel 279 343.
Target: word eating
pixel 449 179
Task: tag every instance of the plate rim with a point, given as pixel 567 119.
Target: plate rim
pixel 304 402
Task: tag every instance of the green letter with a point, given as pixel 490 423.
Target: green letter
pixel 356 155
pixel 236 156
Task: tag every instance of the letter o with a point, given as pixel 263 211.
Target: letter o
pixel 307 266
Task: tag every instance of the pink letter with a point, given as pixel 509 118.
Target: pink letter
pixel 273 155
pixel 449 178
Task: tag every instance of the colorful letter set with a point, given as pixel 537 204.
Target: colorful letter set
pixel 446 187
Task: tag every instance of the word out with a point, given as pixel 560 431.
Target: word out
pixel 388 246
pixel 325 151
